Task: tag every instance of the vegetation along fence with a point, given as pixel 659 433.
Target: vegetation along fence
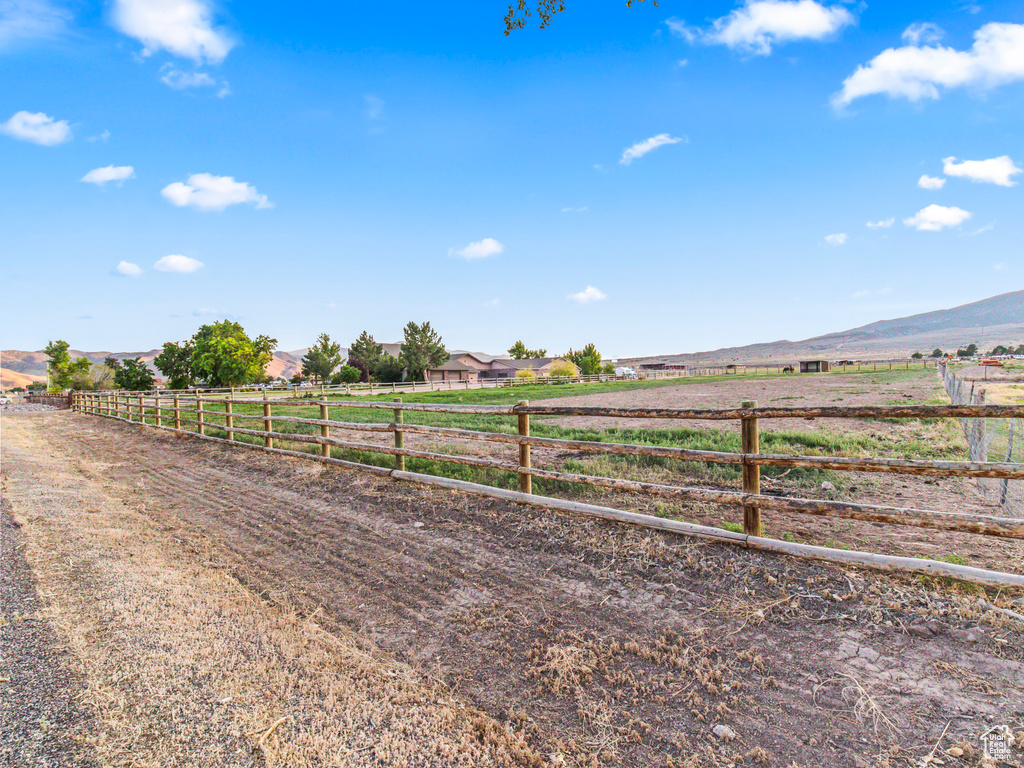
pixel 266 424
pixel 988 439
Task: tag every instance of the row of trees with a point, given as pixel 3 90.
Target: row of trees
pixel 82 373
pixel 971 350
pixel 422 349
pixel 223 355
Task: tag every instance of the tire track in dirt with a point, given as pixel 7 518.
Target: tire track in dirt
pixel 486 596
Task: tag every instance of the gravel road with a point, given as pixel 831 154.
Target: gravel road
pixel 39 713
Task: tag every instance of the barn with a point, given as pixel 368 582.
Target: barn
pixel 814 366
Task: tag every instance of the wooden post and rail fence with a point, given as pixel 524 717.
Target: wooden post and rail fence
pixel 270 432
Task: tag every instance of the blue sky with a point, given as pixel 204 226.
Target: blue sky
pixel 654 180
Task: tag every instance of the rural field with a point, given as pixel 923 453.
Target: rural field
pixel 202 604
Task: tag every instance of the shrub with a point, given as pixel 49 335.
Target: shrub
pixel 347 374
pixel 525 373
pixel 562 369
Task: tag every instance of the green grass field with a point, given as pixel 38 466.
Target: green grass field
pixel 911 438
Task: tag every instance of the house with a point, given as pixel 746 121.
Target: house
pixel 504 367
pixel 814 366
pixel 453 370
pixel 481 363
pixel 539 366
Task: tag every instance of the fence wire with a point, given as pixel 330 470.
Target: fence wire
pixel 989 440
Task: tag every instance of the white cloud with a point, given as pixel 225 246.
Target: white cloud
pixel 213 193
pixel 860 294
pixel 837 239
pixel 478 250
pixel 936 217
pixel 178 263
pixel 999 266
pixel 492 303
pixel 996 170
pixel 917 72
pixel 104 137
pixel 38 128
pixel 881 224
pixel 923 32
pixel 586 296
pixel 574 210
pixel 648 145
pixel 118 173
pixel 931 182
pixel 180 27
pixel 30 20
pixel 760 24
pixel 128 269
pixel 179 80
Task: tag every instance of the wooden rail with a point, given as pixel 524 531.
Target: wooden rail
pixel 257 419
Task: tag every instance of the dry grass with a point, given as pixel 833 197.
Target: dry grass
pixel 185 666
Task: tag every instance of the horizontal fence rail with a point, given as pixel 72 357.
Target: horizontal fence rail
pixel 247 417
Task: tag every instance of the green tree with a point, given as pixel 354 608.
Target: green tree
pixel 36 386
pixel 588 360
pixel 365 354
pixel 917 356
pixel 224 356
pixel 389 368
pixel 94 377
pixel 63 372
pixel 545 10
pixel 134 376
pixel 321 359
pixel 422 348
pixel 520 352
pixel 608 368
pixel 175 363
pixel 347 374
pixel 937 353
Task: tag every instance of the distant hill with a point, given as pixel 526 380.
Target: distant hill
pixel 997 320
pixel 19 369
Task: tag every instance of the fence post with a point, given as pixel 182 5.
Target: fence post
pixel 200 427
pixel 177 415
pixel 268 424
pixel 156 404
pixel 325 431
pixel 751 472
pixel 525 479
pixel 229 419
pixel 1004 490
pixel 142 411
pixel 399 436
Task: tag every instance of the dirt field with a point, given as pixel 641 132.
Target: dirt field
pixel 223 607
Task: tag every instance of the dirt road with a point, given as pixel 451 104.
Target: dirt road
pixel 221 606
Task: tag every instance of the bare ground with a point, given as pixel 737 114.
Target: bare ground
pixel 225 607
